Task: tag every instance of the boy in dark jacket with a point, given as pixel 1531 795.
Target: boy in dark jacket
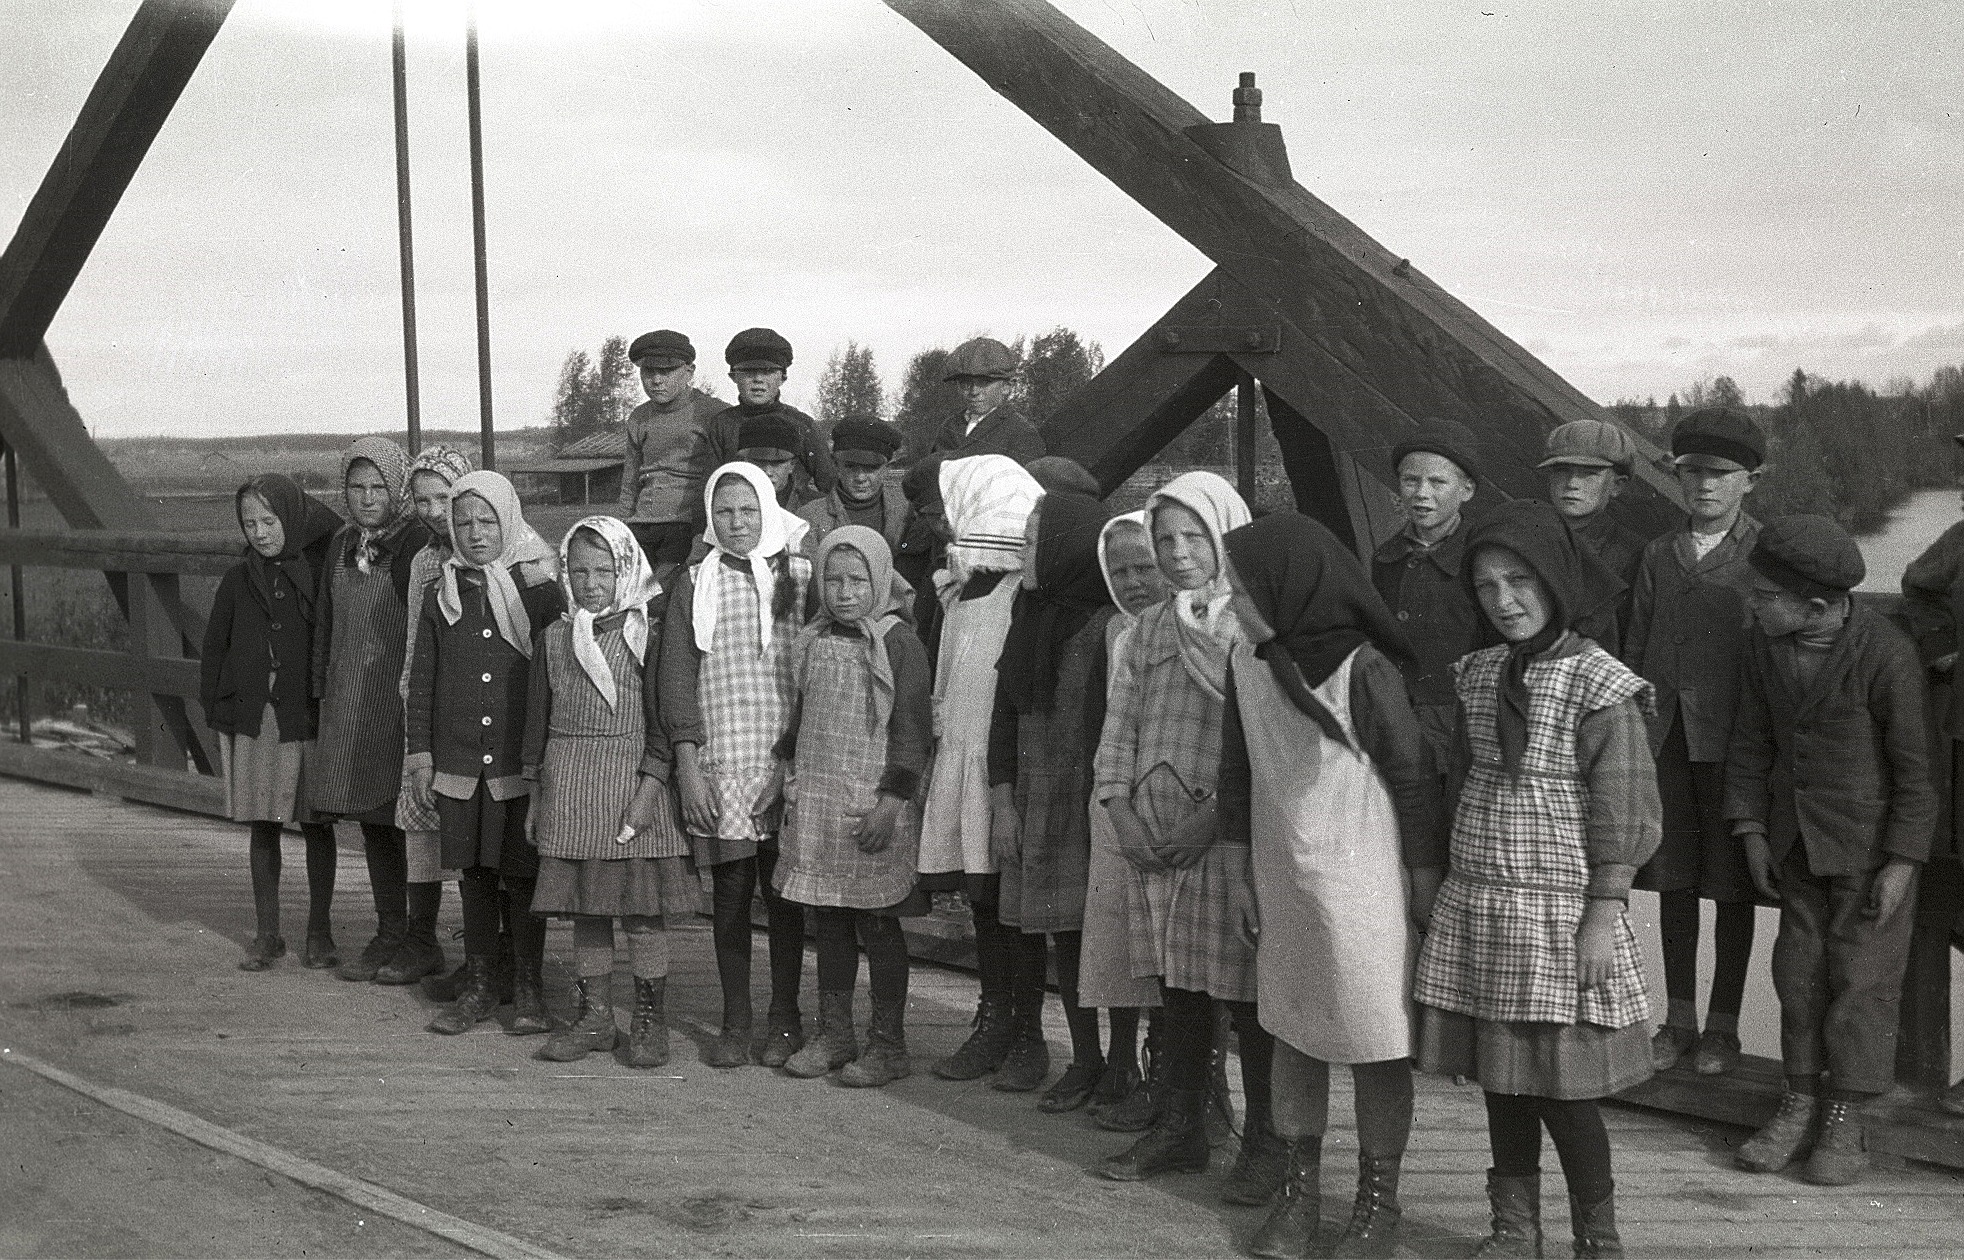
pixel 1827 789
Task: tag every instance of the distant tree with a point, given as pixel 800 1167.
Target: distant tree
pixel 572 403
pixel 591 395
pixel 925 399
pixel 1725 392
pixel 850 386
pixel 617 381
pixel 1058 363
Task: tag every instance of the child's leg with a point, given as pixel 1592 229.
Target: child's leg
pixel 1177 1140
pixel 1732 953
pixel 322 859
pixel 519 870
pixel 995 966
pixel 647 951
pixel 593 946
pixel 1027 1061
pixel 887 965
pixel 1299 1087
pixel 1082 1020
pixel 1514 1181
pixel 479 892
pixel 1678 926
pixel 265 858
pixel 647 946
pixel 1383 1098
pixel 838 949
pixel 1514 1134
pixel 1800 969
pixel 592 1026
pixel 836 1043
pixel 735 883
pixel 1264 1157
pixel 388 875
pixel 885 1056
pixel 1582 1143
pixel 1122 1038
pixel 786 932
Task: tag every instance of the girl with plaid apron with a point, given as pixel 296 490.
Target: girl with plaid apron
pixel 1529 980
pixel 725 691
pixel 605 821
pixel 857 746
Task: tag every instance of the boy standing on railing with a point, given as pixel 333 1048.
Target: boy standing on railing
pixel 1827 788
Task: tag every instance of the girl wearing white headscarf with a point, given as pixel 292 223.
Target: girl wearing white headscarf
pixel 609 843
pixel 1191 922
pixel 725 687
pixel 469 685
pixel 987 500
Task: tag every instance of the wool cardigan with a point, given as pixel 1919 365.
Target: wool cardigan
pixel 245 648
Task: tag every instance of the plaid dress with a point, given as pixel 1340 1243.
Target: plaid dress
pixel 1162 750
pixel 411 815
pixel 745 693
pixel 1502 941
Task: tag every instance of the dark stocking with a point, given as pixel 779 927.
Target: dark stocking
pixel 1384 1106
pixel 1732 949
pixel 995 951
pixel 838 948
pixel 786 932
pixel 1189 1038
pixel 266 877
pixel 479 893
pixel 1514 1133
pixel 1122 1048
pixel 388 874
pixel 1677 922
pixel 1583 1144
pixel 1257 1047
pixel 735 883
pixel 528 930
pixel 1083 1020
pixel 886 957
pixel 322 858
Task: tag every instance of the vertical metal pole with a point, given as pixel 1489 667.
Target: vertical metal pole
pixel 411 386
pixel 490 459
pixel 1244 436
pixel 19 590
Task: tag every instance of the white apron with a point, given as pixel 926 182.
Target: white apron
pixel 955 821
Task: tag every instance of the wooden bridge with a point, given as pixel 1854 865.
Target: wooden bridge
pixel 1347 343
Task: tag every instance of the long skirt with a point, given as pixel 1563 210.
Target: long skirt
pixel 262 774
pixel 1566 1061
pixel 613 887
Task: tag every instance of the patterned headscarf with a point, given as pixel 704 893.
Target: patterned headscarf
pixel 987 499
pixel 522 545
pixel 883 615
pixel 393 463
pixel 779 532
pixel 447 463
pixel 304 521
pixel 634 587
pixel 1208 629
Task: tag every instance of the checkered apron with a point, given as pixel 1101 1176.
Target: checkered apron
pixel 745 696
pixel 834 782
pixel 1502 940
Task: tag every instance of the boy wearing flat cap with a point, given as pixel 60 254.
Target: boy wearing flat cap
pixel 1687 637
pixel 770 441
pixel 759 359
pixel 1417 570
pixel 668 449
pixel 1586 464
pixel 862 448
pixel 1827 790
pixel 981 369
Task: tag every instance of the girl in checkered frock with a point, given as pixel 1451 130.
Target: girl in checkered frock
pixel 858 743
pixel 1529 980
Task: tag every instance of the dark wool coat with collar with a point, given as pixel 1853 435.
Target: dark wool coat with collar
pixel 1687 634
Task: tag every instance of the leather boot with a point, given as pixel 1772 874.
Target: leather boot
pixel 1136 1112
pixel 592 1028
pixel 835 1046
pixel 1373 1228
pixel 445 988
pixel 1786 1137
pixel 261 953
pixel 320 952
pixel 985 1048
pixel 784 1037
pixel 473 1005
pixel 528 1000
pixel 1258 1169
pixel 419 955
pixel 1292 1224
pixel 647 1034
pixel 1516 1203
pixel 885 1057
pixel 1595 1228
pixel 387 940
pixel 1175 1143
pixel 1073 1089
pixel 1026 1064
pixel 1840 1154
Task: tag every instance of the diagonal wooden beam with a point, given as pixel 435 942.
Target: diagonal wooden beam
pixel 37 419
pixel 1422 350
pixel 132 96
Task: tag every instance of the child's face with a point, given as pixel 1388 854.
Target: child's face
pixel 1511 596
pixel 1135 575
pixel 848 585
pixel 981 394
pixel 1183 547
pixel 429 494
pixel 1579 491
pixel 590 572
pixel 779 471
pixel 1777 611
pixel 664 385
pixel 368 495
pixel 1254 626
pixel 1432 489
pixel 262 526
pixel 475 530
pixel 737 516
pixel 758 385
pixel 1714 494
pixel 859 481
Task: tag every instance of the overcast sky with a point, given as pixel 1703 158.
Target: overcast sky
pixel 1642 195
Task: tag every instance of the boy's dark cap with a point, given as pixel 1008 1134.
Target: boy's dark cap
pixel 1724 433
pixel 758 349
pixel 663 348
pixel 769 436
pixel 865 441
pixel 981 356
pixel 1810 556
pixel 1449 438
pixel 1588 444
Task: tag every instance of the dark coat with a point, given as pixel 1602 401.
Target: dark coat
pixel 1933 594
pixel 1422 587
pixel 1620 548
pixel 245 649
pixel 1687 635
pixel 1002 432
pixel 816 474
pixel 825 514
pixel 1842 767
pixel 468 688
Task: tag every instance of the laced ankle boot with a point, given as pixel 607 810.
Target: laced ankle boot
pixel 836 1044
pixel 885 1057
pixel 592 1028
pixel 985 1048
pixel 647 1033
pixel 1786 1138
pixel 1175 1143
pixel 1595 1228
pixel 784 1037
pixel 1840 1153
pixel 1259 1168
pixel 528 1000
pixel 473 1005
pixel 1374 1218
pixel 1516 1203
pixel 1026 1063
pixel 1296 1217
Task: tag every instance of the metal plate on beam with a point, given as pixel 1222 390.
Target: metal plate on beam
pixel 1220 339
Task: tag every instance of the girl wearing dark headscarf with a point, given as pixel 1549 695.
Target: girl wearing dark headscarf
pixel 254 691
pixel 1043 735
pixel 359 634
pixel 1529 980
pixel 1326 775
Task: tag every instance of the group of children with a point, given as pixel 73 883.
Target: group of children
pixel 1208 768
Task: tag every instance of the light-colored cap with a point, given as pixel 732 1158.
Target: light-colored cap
pixel 1591 444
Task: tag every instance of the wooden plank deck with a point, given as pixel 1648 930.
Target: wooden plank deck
pixel 148 909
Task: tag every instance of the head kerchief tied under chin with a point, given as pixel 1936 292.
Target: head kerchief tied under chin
pixel 522 546
pixel 1069 587
pixel 881 616
pixel 634 587
pixel 778 532
pixel 393 463
pixel 443 459
pixel 304 521
pixel 987 499
pixel 1207 628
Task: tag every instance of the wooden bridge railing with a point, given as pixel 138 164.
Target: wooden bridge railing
pixel 176 757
